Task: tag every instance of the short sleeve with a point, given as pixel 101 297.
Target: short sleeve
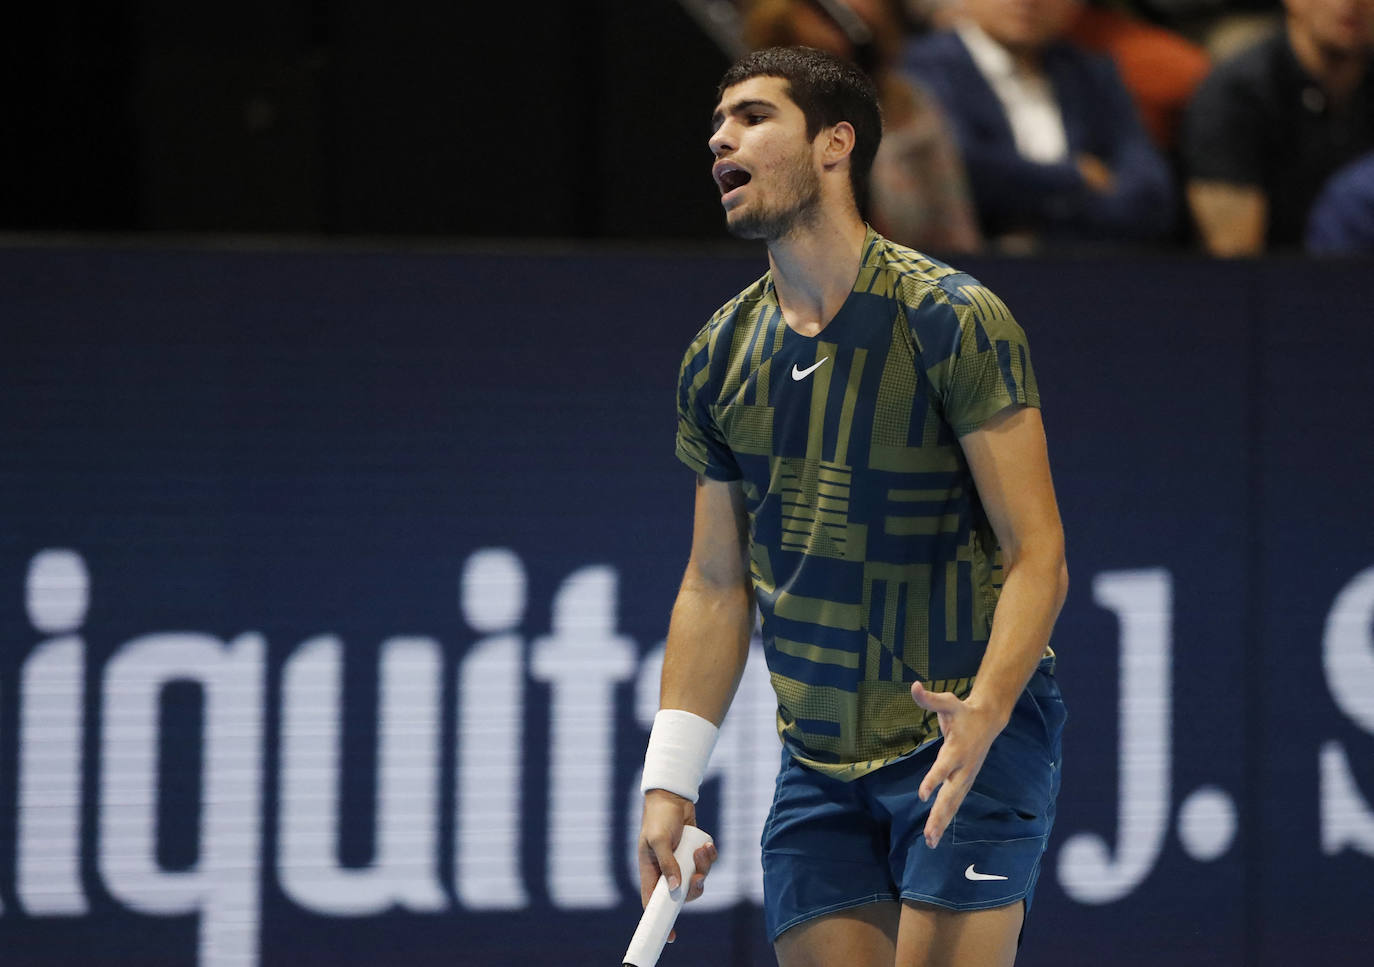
pixel 976 356
pixel 1224 130
pixel 700 444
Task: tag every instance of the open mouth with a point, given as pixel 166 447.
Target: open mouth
pixel 729 177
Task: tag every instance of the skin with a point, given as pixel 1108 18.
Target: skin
pixel 1231 218
pixel 814 243
pixel 1332 40
pixel 1331 37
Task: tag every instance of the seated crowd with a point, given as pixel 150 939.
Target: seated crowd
pixel 1059 126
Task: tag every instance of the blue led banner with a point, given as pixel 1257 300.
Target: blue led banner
pixel 334 588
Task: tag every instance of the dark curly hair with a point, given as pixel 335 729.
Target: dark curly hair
pixel 828 90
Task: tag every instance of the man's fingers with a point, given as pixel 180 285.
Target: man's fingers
pixel 946 805
pixel 938 817
pixel 929 784
pixel 940 772
pixel 703 858
pixel 665 816
pixel 934 701
pixel 957 763
pixel 935 829
pixel 655 858
pixel 648 873
pixel 670 869
pixel 667 864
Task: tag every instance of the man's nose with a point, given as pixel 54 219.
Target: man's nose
pixel 721 142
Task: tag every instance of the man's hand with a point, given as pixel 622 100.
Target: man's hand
pixel 968 731
pixel 659 834
pixel 1096 174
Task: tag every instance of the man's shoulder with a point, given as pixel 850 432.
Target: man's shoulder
pixel 938 301
pixel 919 281
pixel 1260 58
pixel 746 300
pixel 1074 63
pixel 743 306
pixel 937 50
pixel 1255 72
pixel 944 42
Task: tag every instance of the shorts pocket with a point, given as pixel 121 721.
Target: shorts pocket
pixel 1013 794
pixel 1043 692
pixel 986 819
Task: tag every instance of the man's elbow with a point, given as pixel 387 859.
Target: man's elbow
pixel 717 582
pixel 1054 566
pixel 1046 564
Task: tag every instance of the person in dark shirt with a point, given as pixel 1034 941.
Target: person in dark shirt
pixel 1271 125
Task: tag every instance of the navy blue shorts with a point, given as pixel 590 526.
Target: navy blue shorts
pixel 830 845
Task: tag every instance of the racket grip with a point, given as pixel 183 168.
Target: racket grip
pixel 661 913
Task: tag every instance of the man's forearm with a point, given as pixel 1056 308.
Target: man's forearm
pixel 708 644
pixel 1032 595
pixel 1231 218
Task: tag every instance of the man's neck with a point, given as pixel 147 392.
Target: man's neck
pixel 814 268
pixel 1338 71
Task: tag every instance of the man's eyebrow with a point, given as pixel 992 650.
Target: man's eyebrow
pixel 740 107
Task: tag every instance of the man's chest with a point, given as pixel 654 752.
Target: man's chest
pixel 854 399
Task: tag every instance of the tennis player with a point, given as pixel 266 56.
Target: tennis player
pixel 871 475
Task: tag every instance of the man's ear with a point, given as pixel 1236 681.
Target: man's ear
pixel 837 143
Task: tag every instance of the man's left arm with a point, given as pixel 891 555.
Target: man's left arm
pixel 1010 464
pixel 1141 202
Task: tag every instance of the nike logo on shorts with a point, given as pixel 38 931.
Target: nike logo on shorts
pixel 972 874
pixel 800 374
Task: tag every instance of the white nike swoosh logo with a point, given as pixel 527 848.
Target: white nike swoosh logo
pixel 972 874
pixel 803 373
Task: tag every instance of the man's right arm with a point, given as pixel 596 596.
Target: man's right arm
pixel 708 644
pixel 1225 141
pixel 1231 218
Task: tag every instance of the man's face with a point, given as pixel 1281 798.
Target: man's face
pixel 765 165
pixel 1344 26
pixel 1023 25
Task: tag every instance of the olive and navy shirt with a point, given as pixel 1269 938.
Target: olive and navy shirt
pixel 873 562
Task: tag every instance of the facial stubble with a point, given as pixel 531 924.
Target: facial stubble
pixel 799 188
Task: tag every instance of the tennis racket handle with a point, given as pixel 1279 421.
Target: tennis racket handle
pixel 661 913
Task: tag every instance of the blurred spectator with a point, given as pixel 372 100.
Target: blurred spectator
pixel 1160 68
pixel 1268 127
pixel 1054 146
pixel 919 194
pixel 1342 220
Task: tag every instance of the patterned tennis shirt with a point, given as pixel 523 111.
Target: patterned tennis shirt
pixel 872 560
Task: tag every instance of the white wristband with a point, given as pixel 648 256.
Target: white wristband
pixel 680 744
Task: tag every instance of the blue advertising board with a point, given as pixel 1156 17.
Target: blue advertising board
pixel 334 586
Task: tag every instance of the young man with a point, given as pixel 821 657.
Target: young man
pixel 863 422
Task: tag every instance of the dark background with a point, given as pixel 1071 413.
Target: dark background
pixel 580 120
